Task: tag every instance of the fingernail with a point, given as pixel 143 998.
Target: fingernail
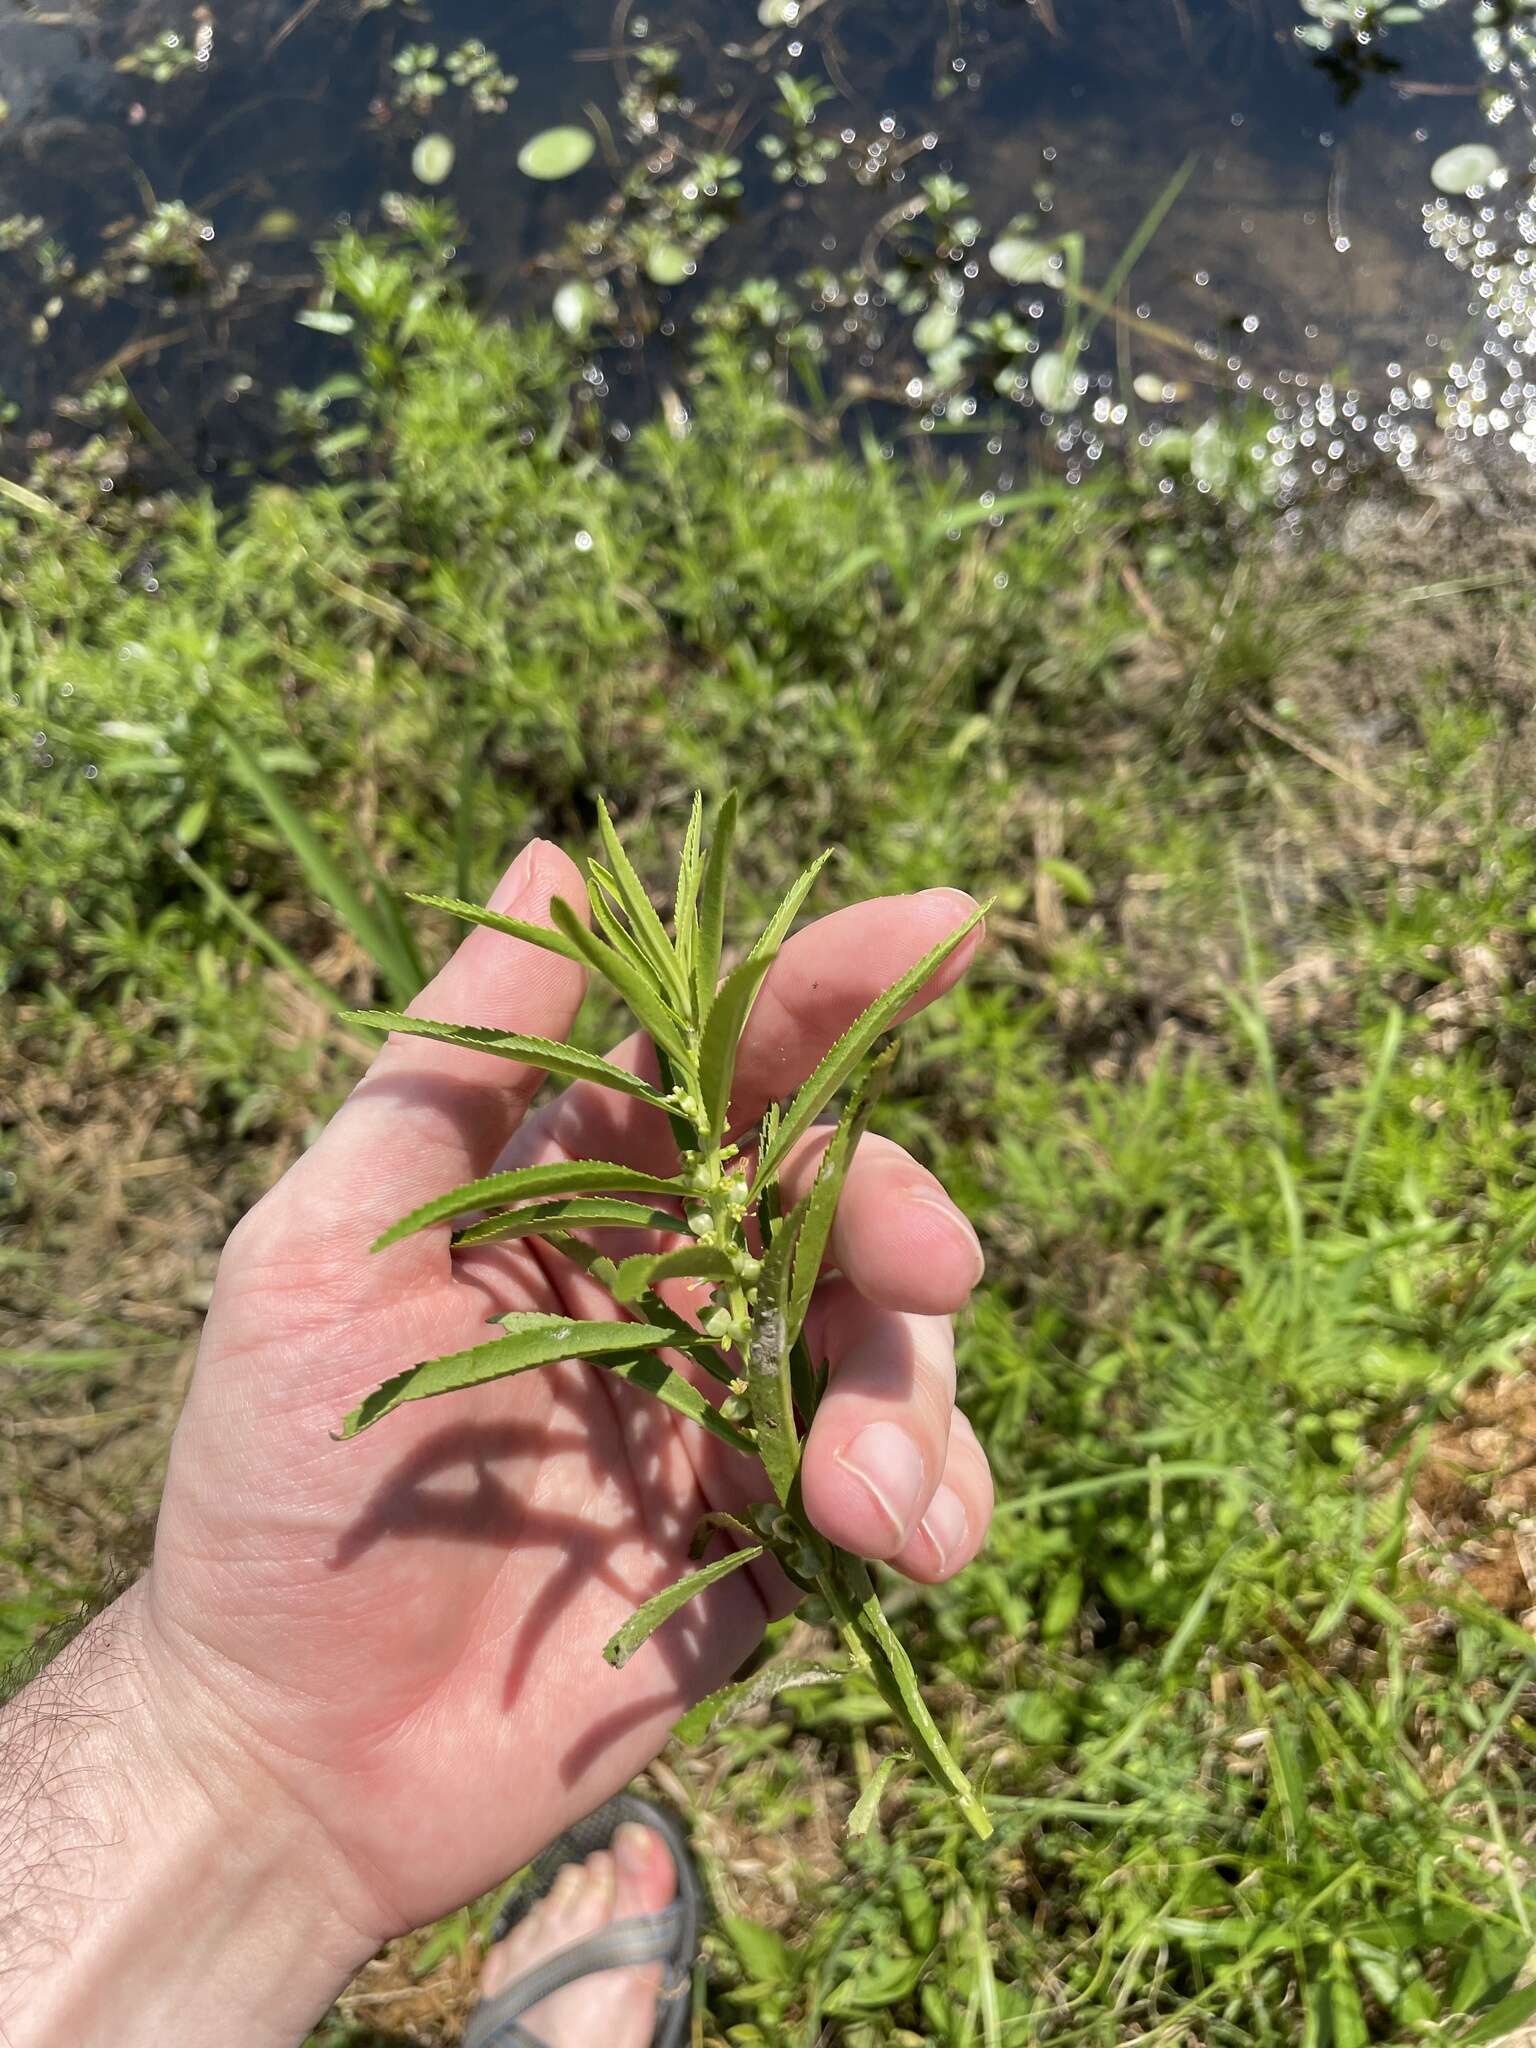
pixel 960 1226
pixel 945 1525
pixel 886 1462
pixel 515 880
pixel 632 1849
pixel 956 899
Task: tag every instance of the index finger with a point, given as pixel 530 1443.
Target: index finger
pixel 824 978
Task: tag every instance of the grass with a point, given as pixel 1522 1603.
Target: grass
pixel 1237 1099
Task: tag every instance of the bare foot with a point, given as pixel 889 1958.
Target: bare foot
pixel 618 2007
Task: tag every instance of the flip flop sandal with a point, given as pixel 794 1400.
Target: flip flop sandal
pixel 670 1937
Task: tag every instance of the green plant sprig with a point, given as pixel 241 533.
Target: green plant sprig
pixel 750 1336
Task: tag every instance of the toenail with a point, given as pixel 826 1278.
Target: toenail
pixel 632 1849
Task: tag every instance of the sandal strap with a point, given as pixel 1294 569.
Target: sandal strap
pixel 624 1944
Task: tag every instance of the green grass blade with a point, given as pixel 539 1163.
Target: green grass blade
pixel 768 1382
pixel 531 1341
pixel 281 958
pixel 568 1061
pixel 541 1219
pixel 646 1002
pixel 645 1621
pixel 728 1013
pixel 827 1188
pixel 520 1183
pixel 1370 1110
pixel 712 894
pixel 325 875
pixel 696 1261
pixel 649 931
pixel 511 927
pixel 841 1059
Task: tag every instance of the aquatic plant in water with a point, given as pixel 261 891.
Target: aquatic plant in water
pixel 718 1219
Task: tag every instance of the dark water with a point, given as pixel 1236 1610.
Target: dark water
pixel 1296 266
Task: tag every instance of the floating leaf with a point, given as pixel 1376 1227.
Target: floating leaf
pixel 840 1059
pixel 577 304
pixel 645 1621
pixel 556 153
pixel 325 320
pixel 668 263
pixel 519 1183
pixel 569 1061
pixel 432 159
pixel 1471 166
pixel 936 329
pixel 1021 259
pixel 531 1340
pixel 1053 380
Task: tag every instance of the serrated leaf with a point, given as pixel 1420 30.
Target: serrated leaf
pixel 745 1693
pixel 697 1261
pixel 867 1805
pixel 712 893
pixel 685 905
pixel 776 930
pixel 840 1059
pixel 568 1061
pixel 647 1003
pixel 512 927
pixel 531 1340
pixel 649 931
pixel 668 1385
pixel 827 1188
pixel 524 1183
pixel 645 1621
pixel 542 1219
pixel 768 1381
pixel 728 1013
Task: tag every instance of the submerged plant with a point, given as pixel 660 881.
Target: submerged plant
pixel 720 1219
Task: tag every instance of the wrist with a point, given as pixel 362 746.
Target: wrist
pixel 155 1882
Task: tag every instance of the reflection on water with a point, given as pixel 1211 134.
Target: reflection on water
pixel 156 220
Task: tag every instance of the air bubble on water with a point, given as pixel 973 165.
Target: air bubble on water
pixel 1202 278
pixel 91 771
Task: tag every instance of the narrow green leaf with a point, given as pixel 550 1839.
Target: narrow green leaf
pixel 521 1183
pixel 728 1013
pixel 689 1261
pixel 569 1061
pixel 647 1002
pixel 493 921
pixel 685 928
pixel 602 894
pixel 650 933
pixel 1501 2020
pixel 712 891
pixel 867 1805
pixel 531 1340
pixel 645 1621
pixel 325 874
pixel 768 1383
pixel 756 1691
pixel 668 1385
pixel 541 1219
pixel 776 930
pixel 841 1059
pixel 827 1188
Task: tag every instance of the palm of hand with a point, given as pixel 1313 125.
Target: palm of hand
pixel 406 1629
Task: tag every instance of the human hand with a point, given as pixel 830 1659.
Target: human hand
pixel 399 1638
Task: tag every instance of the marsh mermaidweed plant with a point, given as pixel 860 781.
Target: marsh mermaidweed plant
pixel 727 1228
